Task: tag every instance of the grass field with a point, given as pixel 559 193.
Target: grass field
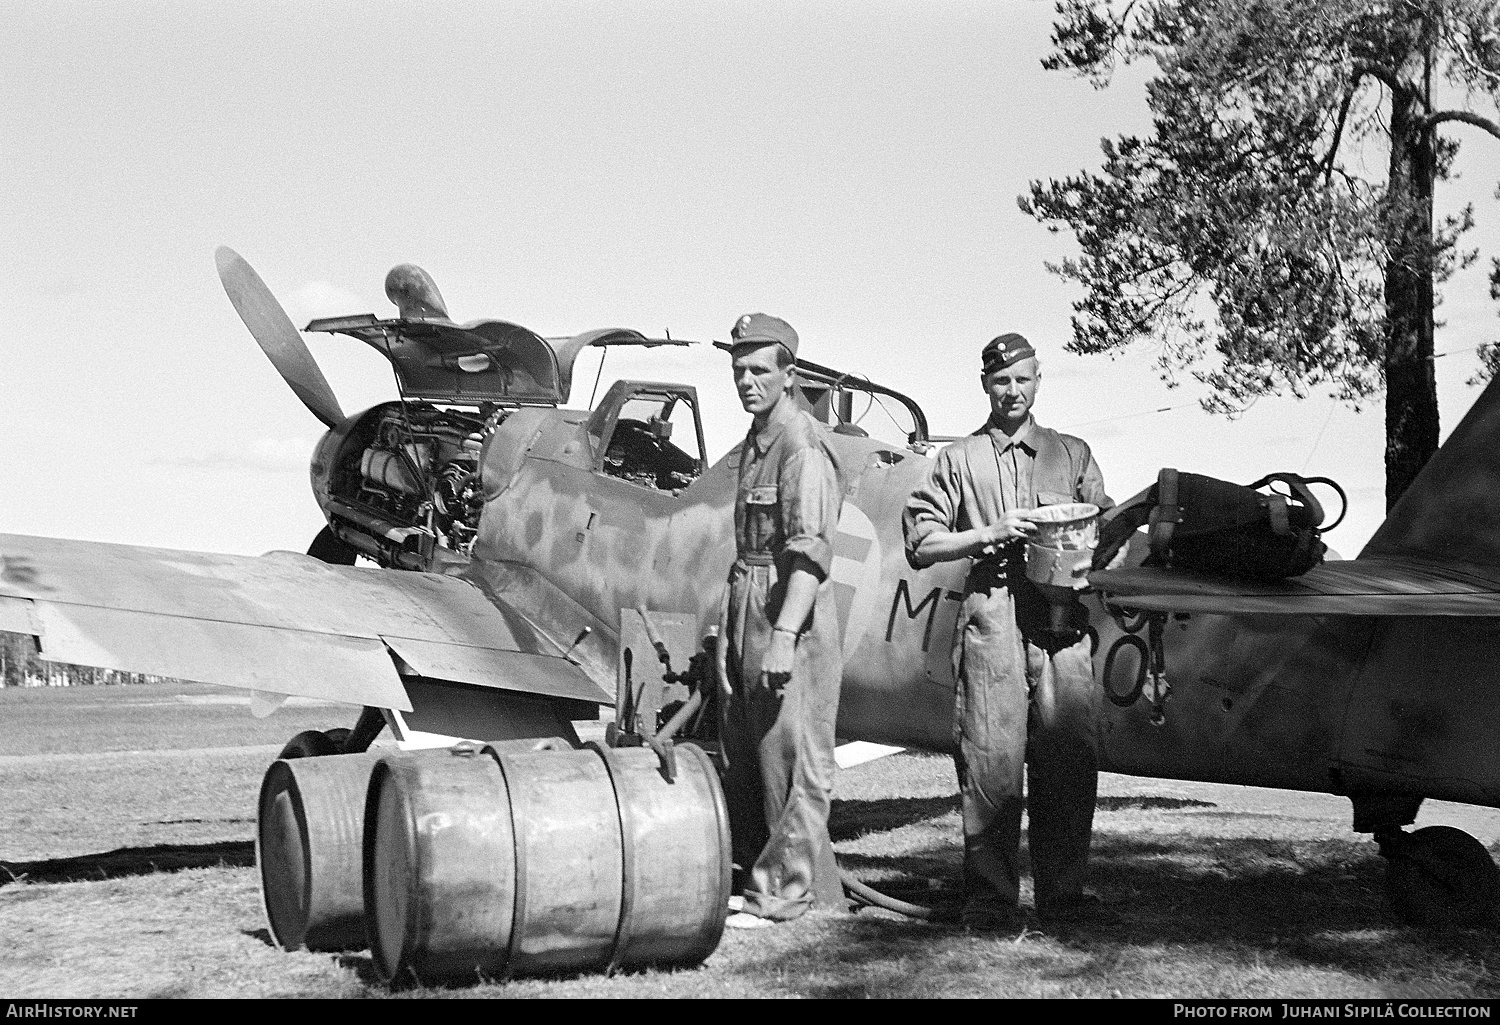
pixel 126 870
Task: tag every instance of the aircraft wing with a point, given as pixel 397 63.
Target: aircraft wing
pixel 282 623
pixel 1361 587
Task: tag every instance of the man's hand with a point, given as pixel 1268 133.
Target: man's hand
pixel 1014 524
pixel 776 667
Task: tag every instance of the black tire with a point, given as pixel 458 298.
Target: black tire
pixel 311 744
pixel 1441 876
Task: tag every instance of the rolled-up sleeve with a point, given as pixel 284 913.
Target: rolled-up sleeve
pixel 931 507
pixel 810 498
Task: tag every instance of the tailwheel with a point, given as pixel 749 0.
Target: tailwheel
pixel 1441 876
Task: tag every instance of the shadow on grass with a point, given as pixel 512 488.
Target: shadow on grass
pixel 263 935
pixel 935 878
pixel 363 966
pixel 1146 803
pixel 849 820
pixel 1237 907
pixel 130 861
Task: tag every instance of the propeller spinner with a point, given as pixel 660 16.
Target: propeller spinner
pixel 277 337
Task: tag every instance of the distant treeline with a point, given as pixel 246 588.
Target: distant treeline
pixel 20 667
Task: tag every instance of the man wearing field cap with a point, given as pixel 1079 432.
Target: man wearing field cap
pixel 781 664
pixel 1026 694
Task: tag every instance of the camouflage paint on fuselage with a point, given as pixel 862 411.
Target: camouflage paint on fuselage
pixel 553 523
pixel 1310 703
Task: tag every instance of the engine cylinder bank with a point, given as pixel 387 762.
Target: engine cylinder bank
pixel 411 468
pixel 387 469
pixel 308 846
pixel 493 864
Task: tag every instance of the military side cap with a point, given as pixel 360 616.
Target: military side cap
pixel 761 329
pixel 1003 351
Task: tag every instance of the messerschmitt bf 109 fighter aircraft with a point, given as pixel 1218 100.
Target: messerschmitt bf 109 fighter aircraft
pixel 533 563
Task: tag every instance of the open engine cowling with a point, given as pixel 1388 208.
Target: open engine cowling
pixel 402 484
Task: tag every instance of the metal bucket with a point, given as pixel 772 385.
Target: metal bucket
pixel 493 863
pixel 308 844
pixel 1073 527
pixel 1060 552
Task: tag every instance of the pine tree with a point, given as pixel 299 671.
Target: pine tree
pixel 1275 232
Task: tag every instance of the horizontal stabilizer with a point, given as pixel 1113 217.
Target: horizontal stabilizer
pixel 1364 587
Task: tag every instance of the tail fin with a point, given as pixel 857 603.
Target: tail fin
pixel 1451 512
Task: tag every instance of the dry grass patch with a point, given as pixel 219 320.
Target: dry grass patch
pixel 136 882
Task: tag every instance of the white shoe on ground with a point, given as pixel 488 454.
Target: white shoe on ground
pixel 745 920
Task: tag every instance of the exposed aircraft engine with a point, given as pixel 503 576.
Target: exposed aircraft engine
pixel 517 858
pixel 405 483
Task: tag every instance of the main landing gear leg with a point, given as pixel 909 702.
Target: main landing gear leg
pixel 371 722
pixel 340 741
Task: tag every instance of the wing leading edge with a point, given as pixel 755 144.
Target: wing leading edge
pixel 282 623
pixel 1362 587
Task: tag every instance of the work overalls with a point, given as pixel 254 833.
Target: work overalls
pixel 779 743
pixel 1025 709
pixel 1025 695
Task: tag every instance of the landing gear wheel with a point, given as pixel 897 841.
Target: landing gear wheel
pixel 313 744
pixel 1442 876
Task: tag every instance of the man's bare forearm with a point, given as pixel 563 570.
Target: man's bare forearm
pixel 801 592
pixel 945 546
pixel 781 653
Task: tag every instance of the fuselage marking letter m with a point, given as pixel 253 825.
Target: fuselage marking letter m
pixel 903 596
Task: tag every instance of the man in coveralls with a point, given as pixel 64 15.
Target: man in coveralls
pixel 782 660
pixel 1026 693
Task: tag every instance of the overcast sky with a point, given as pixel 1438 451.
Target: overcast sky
pixel 852 168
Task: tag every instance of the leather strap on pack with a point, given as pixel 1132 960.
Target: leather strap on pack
pixel 1281 526
pixel 1312 509
pixel 1165 514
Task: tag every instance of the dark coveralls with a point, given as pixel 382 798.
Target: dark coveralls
pixel 779 743
pixel 1026 696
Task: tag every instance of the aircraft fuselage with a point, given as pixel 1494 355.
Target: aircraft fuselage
pixel 1330 704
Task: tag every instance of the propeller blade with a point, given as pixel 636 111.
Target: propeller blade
pixel 277 337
